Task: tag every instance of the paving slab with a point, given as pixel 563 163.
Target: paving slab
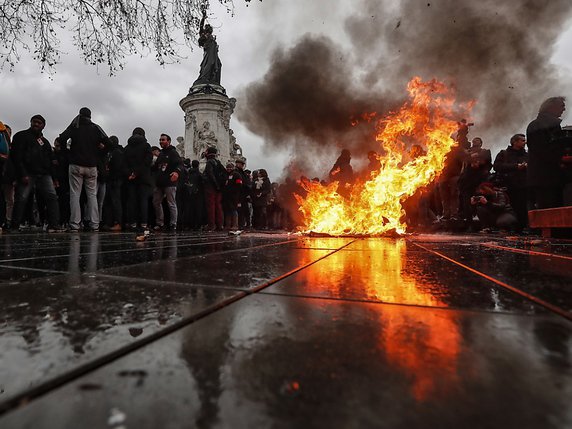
pixel 52 326
pixel 286 362
pixel 544 275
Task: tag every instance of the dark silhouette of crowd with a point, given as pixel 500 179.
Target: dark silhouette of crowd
pixel 89 181
pixel 475 193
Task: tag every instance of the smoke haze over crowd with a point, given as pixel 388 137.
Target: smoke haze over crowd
pixel 497 53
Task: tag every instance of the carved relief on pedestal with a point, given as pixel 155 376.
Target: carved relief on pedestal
pixel 226 111
pixel 235 149
pixel 180 146
pixel 204 138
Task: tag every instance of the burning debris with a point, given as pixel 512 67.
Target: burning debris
pixel 422 128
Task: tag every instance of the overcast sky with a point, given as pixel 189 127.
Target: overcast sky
pixel 147 95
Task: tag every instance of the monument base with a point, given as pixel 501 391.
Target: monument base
pixel 207 123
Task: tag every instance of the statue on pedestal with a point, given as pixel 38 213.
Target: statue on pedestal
pixel 211 64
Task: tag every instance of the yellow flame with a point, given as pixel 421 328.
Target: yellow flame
pixel 374 207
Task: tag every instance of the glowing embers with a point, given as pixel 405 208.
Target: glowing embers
pixel 425 123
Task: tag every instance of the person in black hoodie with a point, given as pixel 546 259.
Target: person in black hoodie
pixel 510 165
pixel 32 155
pixel 168 169
pixel 61 174
pixel 88 140
pixel 231 193
pixel 261 190
pixel 245 190
pixel 213 192
pixel 137 159
pixel 545 150
pixel 115 182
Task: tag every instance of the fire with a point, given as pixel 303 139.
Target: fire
pixel 374 207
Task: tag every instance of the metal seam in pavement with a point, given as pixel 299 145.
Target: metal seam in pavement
pixel 527 252
pixel 555 309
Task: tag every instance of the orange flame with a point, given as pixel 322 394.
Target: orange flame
pixel 374 207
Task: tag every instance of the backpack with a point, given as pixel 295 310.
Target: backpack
pixel 221 174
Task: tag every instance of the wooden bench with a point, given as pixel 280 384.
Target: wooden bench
pixel 547 219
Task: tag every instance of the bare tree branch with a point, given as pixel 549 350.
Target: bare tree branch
pixel 104 31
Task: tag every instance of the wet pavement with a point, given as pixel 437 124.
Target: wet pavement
pixel 277 330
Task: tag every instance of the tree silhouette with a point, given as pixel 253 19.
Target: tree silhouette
pixel 104 31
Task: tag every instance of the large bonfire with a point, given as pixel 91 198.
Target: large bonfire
pixel 429 119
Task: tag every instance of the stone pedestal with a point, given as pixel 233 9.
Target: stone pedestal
pixel 207 123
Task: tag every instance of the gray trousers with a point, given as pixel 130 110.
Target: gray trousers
pixel 83 177
pixel 158 194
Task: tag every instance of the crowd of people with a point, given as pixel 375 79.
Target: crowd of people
pixel 475 192
pixel 88 181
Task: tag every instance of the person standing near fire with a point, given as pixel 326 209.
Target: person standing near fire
pixel 510 166
pixel 343 173
pixel 476 170
pixel 545 151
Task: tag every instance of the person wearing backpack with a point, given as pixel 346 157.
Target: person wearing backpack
pixel 215 176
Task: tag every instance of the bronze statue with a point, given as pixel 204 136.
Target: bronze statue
pixel 211 64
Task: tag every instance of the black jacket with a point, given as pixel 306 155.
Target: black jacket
pixel 210 178
pixel 544 151
pixel 61 167
pixel 246 184
pixel 261 189
pixel 85 140
pixel 506 167
pixel 116 168
pixel 167 162
pixel 32 154
pixel 137 159
pixel 231 191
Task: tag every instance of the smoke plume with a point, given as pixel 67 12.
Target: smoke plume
pixel 496 53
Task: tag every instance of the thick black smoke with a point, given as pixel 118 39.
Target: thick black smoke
pixel 496 53
pixel 308 99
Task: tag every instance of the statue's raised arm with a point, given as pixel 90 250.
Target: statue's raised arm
pixel 202 24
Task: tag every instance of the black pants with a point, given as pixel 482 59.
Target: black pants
pixel 116 206
pixel 138 203
pixel 45 188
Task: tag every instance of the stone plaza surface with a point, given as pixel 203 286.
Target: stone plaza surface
pixel 282 331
